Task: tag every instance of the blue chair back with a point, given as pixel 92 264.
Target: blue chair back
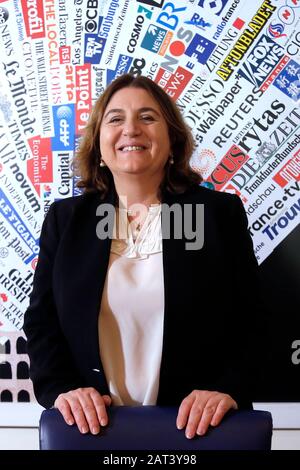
pixel 154 428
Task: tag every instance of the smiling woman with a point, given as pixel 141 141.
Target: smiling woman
pixel 146 318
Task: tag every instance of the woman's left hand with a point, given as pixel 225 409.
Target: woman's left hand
pixel 202 408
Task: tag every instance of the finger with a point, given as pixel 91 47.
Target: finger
pixel 194 419
pixel 184 411
pixel 222 408
pixel 100 403
pixel 90 412
pixel 207 415
pixel 63 406
pixel 78 414
pixel 107 400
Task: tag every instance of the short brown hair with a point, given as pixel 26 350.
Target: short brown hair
pixel 178 176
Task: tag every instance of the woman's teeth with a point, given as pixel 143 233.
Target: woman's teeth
pixel 130 148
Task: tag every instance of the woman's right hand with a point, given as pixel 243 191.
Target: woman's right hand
pixel 85 407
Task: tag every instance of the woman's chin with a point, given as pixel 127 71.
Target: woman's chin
pixel 133 167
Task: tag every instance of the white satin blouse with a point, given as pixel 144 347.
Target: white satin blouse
pixel 132 313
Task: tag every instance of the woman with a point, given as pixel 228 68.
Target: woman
pixel 144 318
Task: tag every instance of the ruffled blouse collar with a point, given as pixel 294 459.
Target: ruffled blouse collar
pixel 148 240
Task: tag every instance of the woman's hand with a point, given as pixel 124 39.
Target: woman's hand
pixel 202 408
pixel 85 407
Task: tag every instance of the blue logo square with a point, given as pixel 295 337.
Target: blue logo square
pixel 154 38
pixel 288 81
pixel 93 48
pixel 64 127
pixel 200 48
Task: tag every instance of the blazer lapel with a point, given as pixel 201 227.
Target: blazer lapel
pixel 179 267
pixel 173 269
pixel 83 272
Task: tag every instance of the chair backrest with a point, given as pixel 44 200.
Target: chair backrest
pixel 153 428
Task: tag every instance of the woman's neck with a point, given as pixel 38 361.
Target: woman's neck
pixel 136 195
pixel 137 192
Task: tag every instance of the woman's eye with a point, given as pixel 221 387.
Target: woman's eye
pixel 115 119
pixel 147 118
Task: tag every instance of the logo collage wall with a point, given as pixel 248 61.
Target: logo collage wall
pixel 233 68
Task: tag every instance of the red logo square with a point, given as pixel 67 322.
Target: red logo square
pixel 238 23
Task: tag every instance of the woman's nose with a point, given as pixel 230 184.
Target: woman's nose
pixel 131 128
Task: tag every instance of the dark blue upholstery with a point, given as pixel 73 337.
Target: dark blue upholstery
pixel 153 428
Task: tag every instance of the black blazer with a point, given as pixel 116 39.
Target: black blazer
pixel 211 323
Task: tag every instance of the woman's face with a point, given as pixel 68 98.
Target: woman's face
pixel 134 136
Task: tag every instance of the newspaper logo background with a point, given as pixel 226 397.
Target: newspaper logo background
pixel 33 14
pixel 153 38
pixel 39 168
pixel 173 83
pixel 200 48
pixel 64 124
pixel 17 224
pixel 290 171
pixel 93 48
pixel 286 14
pixel 229 165
pixel 263 58
pixel 216 6
pixel 123 66
pixel 276 30
pixel 204 162
pixel 288 81
pixel 152 3
pixel 6 107
pixel 198 21
pixel 3 15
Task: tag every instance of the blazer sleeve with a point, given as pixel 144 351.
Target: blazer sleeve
pixel 246 351
pixel 52 369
